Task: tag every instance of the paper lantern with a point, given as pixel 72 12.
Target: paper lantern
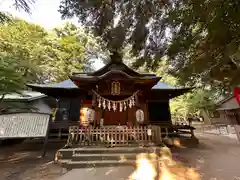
pixel 87 116
pixel 140 116
pixel 90 114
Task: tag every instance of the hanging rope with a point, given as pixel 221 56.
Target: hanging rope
pixel 120 104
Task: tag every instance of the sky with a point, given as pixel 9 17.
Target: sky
pixel 43 12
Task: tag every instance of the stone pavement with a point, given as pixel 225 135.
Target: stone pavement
pixel 100 173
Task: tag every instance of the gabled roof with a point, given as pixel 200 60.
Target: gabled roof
pixel 115 63
pixel 68 84
pixel 79 81
pixel 24 96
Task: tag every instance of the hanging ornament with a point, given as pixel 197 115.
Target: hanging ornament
pixel 104 104
pixel 109 105
pixel 133 101
pixel 124 105
pixel 99 102
pixel 114 106
pixel 120 106
pixel 130 103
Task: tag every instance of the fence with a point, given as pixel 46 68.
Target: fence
pixel 223 129
pixel 114 136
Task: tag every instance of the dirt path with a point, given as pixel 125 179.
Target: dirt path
pixel 23 162
pixel 216 157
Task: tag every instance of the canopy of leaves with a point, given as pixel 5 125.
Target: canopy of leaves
pixel 29 54
pixel 10 78
pixel 24 5
pixel 191 103
pixel 199 38
pixel 138 23
pixel 205 42
pixel 47 56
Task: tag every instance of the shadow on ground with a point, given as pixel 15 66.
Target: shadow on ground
pixel 23 161
pixel 215 157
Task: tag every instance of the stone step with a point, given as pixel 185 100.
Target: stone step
pixel 117 150
pixel 66 153
pixel 94 164
pixel 63 161
pixel 69 152
pixel 104 156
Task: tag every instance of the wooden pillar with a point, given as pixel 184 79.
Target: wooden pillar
pixel 94 98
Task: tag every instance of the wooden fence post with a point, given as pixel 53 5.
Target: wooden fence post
pixel 46 137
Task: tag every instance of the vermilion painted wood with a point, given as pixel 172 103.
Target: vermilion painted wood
pixel 237 94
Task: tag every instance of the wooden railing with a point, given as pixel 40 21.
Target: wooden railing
pixel 115 135
pixel 59 129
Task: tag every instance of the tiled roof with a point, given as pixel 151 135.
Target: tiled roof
pixel 68 84
pixel 161 85
pixel 25 95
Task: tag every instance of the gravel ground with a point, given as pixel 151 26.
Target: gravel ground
pixel 216 157
pixel 23 162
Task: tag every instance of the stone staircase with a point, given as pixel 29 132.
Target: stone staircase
pixel 90 157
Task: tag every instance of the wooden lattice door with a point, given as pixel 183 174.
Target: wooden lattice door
pixel 115 117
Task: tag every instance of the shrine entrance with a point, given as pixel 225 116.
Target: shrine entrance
pixel 115 117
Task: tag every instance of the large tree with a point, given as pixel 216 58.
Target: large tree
pixel 47 56
pixel 138 23
pixel 191 103
pixel 205 42
pixel 199 38
pixel 29 54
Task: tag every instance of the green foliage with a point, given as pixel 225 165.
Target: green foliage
pixel 19 5
pixel 47 56
pixel 4 17
pixel 191 103
pixel 199 38
pixel 30 54
pixel 20 41
pixel 119 23
pixel 10 79
pixel 205 46
pixel 24 5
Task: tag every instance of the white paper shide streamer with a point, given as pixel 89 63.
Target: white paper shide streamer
pixel 120 105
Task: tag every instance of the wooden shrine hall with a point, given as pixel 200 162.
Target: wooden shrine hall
pixel 112 104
